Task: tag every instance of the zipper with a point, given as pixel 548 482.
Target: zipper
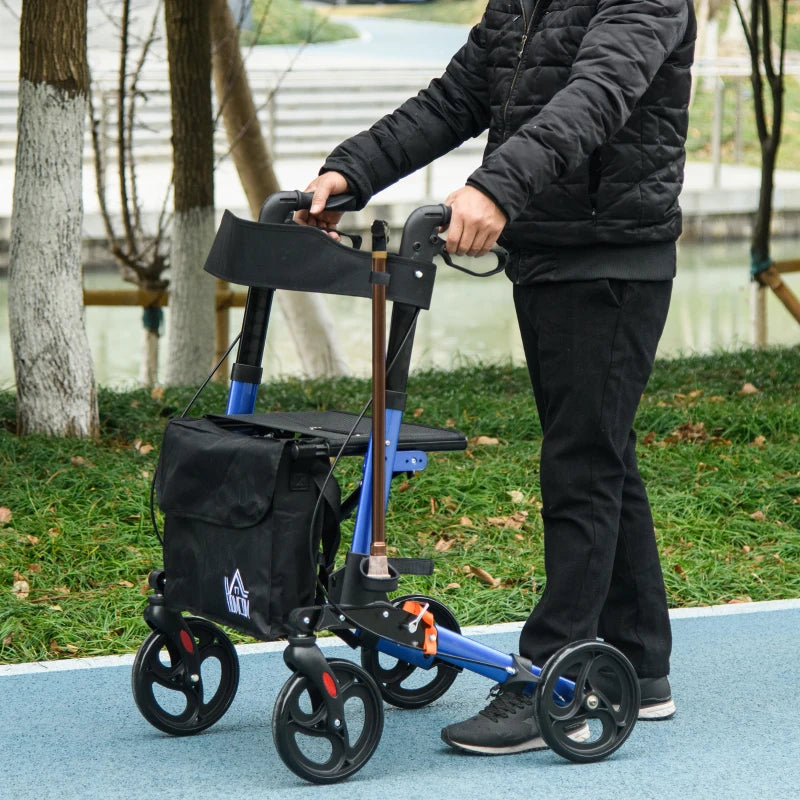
pixel 527 26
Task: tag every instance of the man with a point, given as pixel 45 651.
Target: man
pixel 586 107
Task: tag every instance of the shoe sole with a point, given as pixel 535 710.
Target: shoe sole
pixel 582 734
pixel 658 711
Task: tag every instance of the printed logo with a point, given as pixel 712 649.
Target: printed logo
pixel 236 596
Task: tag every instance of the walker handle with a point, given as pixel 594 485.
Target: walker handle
pixel 279 207
pixel 421 240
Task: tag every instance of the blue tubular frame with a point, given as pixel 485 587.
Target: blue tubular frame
pixel 362 532
pixel 453 648
pixel 241 398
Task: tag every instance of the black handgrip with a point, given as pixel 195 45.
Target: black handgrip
pixel 420 240
pixel 279 207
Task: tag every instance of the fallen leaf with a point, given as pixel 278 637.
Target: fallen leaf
pixel 443 545
pixel 452 586
pixel 759 441
pixel 516 496
pixel 679 569
pixel 450 423
pixel 743 599
pixel 691 432
pixel 465 522
pixel 483 576
pixel 515 521
pixel 403 487
pixel 5 515
pixel 34 568
pixel 485 440
pixel 55 608
pixel 759 515
pixel 32 539
pixel 142 449
pixel 132 518
pixel 80 461
pixel 649 439
pixel 748 388
pixel 126 584
pixel 54 532
pixel 157 393
pixel 418 412
pixel 745 548
pixel 134 404
pixel 21 589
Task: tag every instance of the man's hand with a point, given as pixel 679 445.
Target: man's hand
pixel 475 224
pixel 323 187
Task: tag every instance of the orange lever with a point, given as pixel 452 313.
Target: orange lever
pixel 425 617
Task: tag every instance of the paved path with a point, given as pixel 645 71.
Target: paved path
pixel 70 731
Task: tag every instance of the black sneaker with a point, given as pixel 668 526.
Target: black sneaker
pixel 657 700
pixel 505 726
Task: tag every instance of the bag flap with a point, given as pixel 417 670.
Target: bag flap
pixel 221 476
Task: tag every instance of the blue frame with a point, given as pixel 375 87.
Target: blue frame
pixel 452 647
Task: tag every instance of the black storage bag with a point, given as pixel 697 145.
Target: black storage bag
pixel 238 510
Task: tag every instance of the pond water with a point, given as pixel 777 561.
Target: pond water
pixel 471 320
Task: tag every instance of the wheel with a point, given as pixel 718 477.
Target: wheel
pixel 164 691
pixel 404 685
pixel 606 695
pixel 301 735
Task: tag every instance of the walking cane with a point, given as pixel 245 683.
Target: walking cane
pixel 378 562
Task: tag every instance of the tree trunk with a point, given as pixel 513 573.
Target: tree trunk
pixel 56 390
pixel 190 339
pixel 307 317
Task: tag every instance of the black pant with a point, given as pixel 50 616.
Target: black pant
pixel 590 347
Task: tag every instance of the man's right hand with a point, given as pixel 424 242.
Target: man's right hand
pixel 323 187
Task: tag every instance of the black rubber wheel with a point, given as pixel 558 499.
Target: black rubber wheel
pixel 402 684
pixel 606 696
pixel 300 730
pixel 166 693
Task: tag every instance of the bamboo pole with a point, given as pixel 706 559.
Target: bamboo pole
pixel 771 277
pixel 144 298
pixel 790 265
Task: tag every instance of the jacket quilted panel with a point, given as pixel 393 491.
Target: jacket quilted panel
pixel 585 103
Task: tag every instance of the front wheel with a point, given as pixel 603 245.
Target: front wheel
pixel 175 701
pixel 305 741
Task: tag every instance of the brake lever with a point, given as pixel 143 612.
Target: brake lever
pixel 500 252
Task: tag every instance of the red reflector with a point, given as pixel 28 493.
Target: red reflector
pixel 186 641
pixel 330 685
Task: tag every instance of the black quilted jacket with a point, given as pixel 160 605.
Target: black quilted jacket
pixel 586 106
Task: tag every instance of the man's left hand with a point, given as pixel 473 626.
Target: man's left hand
pixel 475 224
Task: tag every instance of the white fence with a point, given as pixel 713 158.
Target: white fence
pixel 305 113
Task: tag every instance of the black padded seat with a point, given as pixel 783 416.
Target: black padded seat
pixel 334 426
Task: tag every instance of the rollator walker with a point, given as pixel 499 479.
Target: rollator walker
pixel 328 717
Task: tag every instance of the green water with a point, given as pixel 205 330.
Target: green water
pixel 470 319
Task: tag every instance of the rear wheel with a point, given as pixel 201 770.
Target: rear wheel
pixel 404 685
pixel 606 697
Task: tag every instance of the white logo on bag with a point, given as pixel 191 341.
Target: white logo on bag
pixel 236 596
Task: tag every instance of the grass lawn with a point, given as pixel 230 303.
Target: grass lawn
pixel 718 444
